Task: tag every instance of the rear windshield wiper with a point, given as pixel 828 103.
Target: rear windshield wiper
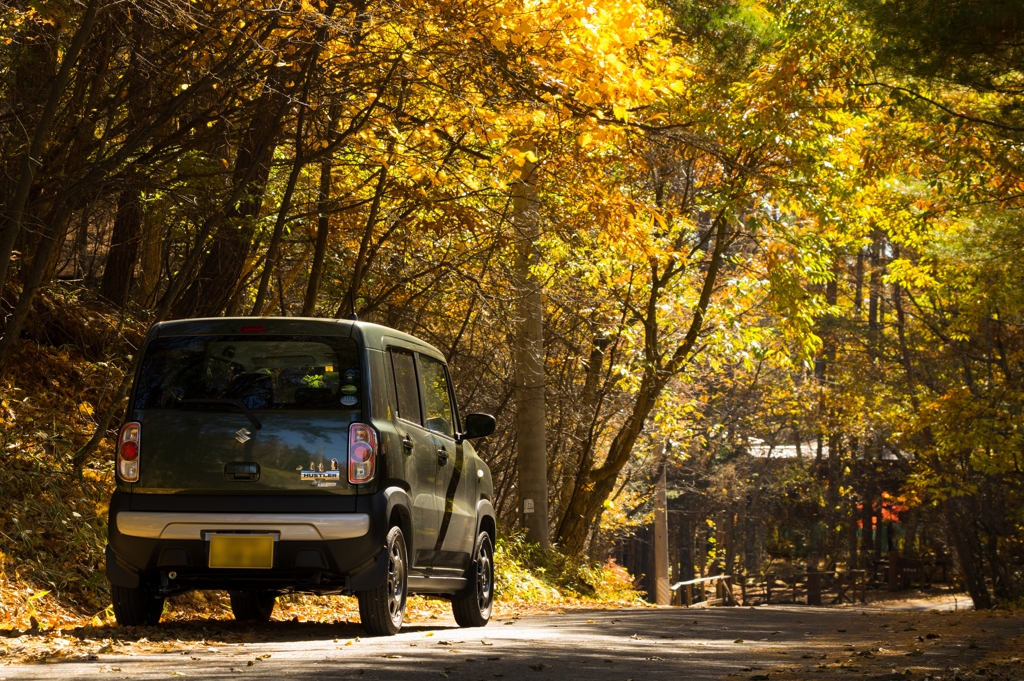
pixel 237 404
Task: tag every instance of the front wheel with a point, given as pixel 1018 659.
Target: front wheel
pixel 136 607
pixel 252 606
pixel 472 607
pixel 381 610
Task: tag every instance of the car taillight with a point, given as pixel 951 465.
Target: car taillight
pixel 128 445
pixel 362 453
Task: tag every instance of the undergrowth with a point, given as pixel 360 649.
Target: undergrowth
pixel 53 519
pixel 526 573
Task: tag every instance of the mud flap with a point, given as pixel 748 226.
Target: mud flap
pixel 372 577
pixel 117 574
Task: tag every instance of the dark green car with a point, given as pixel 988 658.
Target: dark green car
pixel 286 455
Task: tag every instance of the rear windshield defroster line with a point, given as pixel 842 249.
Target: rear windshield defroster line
pixel 250 373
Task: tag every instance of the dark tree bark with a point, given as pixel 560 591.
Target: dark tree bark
pixel 208 295
pixel 595 485
pixel 583 436
pixel 14 206
pixel 687 558
pixel 270 264
pixel 323 226
pixel 45 253
pixel 965 540
pixel 361 265
pixel 851 539
pixel 124 248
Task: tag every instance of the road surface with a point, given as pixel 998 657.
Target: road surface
pixel 777 642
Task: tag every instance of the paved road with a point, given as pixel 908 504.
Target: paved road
pixel 613 645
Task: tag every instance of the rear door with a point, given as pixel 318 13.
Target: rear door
pixel 457 524
pixel 247 414
pixel 417 453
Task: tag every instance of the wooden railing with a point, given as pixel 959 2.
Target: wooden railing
pixel 813 587
pixel 722 585
pixel 841 586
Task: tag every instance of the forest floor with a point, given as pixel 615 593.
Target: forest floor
pixel 770 642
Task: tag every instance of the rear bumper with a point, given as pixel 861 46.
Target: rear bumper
pixel 287 526
pixel 167 549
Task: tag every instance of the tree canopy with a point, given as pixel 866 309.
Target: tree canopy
pixel 758 222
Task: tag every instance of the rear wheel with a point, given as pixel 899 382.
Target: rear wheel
pixel 472 607
pixel 136 607
pixel 252 606
pixel 381 610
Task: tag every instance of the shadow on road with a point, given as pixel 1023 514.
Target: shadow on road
pixel 612 645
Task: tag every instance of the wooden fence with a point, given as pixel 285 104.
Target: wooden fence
pixel 813 587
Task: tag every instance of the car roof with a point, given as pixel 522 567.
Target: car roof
pixel 371 335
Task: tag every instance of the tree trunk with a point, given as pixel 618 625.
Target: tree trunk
pixel 968 549
pixel 270 263
pixel 851 538
pixel 531 413
pixel 910 538
pixel 687 548
pixel 595 486
pixel 867 528
pixel 124 248
pixel 702 547
pixel 858 277
pixel 879 519
pixel 210 293
pixel 316 270
pixel 151 262
pixel 661 584
pixel 41 263
pixel 14 208
pixel 362 262
pixel 275 240
pixel 730 542
pixel 718 565
pixel 583 435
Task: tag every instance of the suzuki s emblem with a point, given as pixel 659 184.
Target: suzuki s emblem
pixel 242 435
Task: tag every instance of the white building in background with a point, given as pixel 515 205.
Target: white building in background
pixel 809 449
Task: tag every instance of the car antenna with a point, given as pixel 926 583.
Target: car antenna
pixel 353 317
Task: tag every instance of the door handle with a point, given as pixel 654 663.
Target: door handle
pixel 408 444
pixel 442 456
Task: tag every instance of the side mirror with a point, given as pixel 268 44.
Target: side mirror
pixel 478 425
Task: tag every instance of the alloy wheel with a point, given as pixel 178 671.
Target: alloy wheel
pixel 396 584
pixel 484 578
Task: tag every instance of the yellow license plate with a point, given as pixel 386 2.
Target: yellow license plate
pixel 241 551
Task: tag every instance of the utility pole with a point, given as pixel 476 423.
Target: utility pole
pixel 663 595
pixel 531 413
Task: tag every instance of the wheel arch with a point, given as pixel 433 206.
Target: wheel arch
pixel 399 515
pixel 485 521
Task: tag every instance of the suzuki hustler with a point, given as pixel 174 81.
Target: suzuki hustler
pixel 288 455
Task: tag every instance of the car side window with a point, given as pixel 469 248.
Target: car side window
pixel 436 400
pixel 404 366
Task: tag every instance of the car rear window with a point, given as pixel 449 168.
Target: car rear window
pixel 261 372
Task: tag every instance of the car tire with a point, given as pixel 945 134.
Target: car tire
pixel 252 606
pixel 136 607
pixel 382 610
pixel 473 606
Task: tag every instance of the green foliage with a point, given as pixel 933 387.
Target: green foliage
pixel 526 573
